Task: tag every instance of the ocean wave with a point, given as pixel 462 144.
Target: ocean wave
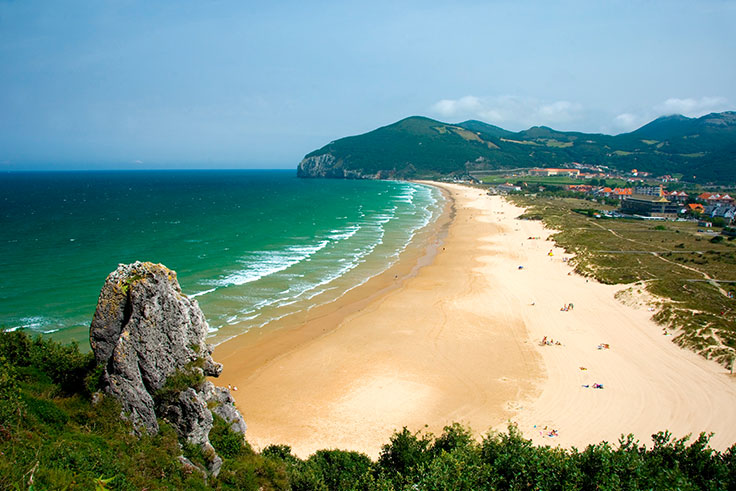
pixel 345 233
pixel 347 247
pixel 35 322
pixel 408 195
pixel 203 292
pixel 264 263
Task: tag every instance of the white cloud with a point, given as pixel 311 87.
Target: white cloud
pixel 627 122
pixel 514 111
pixel 452 107
pixel 692 108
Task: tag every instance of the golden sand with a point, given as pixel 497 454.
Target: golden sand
pixel 457 340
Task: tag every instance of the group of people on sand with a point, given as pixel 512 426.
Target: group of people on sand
pixel 566 307
pixel 604 346
pixel 549 342
pixel 595 386
pixel 549 432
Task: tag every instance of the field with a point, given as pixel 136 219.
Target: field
pixel 687 274
pixel 546 181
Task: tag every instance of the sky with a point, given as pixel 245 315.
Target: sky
pixel 116 84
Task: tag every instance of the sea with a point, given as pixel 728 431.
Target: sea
pixel 250 246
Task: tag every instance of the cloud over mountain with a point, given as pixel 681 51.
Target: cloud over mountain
pixel 510 110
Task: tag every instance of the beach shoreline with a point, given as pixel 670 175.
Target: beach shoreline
pixel 288 333
pixel 458 340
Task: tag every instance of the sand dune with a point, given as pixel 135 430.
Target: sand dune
pixel 459 341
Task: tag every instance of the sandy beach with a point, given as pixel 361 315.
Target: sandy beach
pixel 458 340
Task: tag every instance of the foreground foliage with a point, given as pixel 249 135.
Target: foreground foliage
pixel 52 436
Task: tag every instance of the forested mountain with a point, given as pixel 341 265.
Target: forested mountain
pixel 701 149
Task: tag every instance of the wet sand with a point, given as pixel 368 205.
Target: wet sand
pixel 457 340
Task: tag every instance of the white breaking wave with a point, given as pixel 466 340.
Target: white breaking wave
pixel 415 203
pixel 265 263
pixel 204 292
pixel 344 234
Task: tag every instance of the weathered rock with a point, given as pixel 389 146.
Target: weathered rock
pixel 223 405
pixel 326 165
pixel 144 331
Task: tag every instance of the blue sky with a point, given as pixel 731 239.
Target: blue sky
pixel 241 84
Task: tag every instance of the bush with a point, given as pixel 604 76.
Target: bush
pixel 64 364
pixel 402 458
pixel 339 469
pixel 228 444
pixel 11 404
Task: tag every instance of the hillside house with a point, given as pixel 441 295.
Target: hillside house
pixel 713 198
pixel 676 196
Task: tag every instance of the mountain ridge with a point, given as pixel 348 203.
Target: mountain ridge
pixel 701 149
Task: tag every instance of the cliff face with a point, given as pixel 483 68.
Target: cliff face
pixel 326 165
pixel 150 337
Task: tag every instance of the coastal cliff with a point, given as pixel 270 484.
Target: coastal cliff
pixel 326 165
pixel 150 339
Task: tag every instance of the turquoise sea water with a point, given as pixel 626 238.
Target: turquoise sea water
pixel 250 246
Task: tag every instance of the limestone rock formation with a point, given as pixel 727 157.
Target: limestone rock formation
pixel 146 332
pixel 326 165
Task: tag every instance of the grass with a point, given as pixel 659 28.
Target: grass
pixel 548 181
pixel 558 144
pixel 672 261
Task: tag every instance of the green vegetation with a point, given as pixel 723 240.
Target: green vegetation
pixel 699 149
pixel 690 273
pixel 53 436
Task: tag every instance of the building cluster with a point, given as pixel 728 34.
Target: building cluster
pixel 655 201
pixel 640 199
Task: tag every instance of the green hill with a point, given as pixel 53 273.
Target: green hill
pixel 702 149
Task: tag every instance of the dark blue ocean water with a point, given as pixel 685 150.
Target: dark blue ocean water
pixel 251 246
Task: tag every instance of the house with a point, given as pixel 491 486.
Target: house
pixel 721 210
pixel 621 193
pixel 581 188
pixel 713 198
pixel 605 192
pixel 696 208
pixel 677 196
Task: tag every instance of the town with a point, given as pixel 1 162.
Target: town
pixel 636 194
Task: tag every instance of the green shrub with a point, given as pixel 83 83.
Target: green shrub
pixel 11 404
pixel 179 381
pixel 64 364
pixel 339 469
pixel 453 437
pixel 402 458
pixel 229 444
